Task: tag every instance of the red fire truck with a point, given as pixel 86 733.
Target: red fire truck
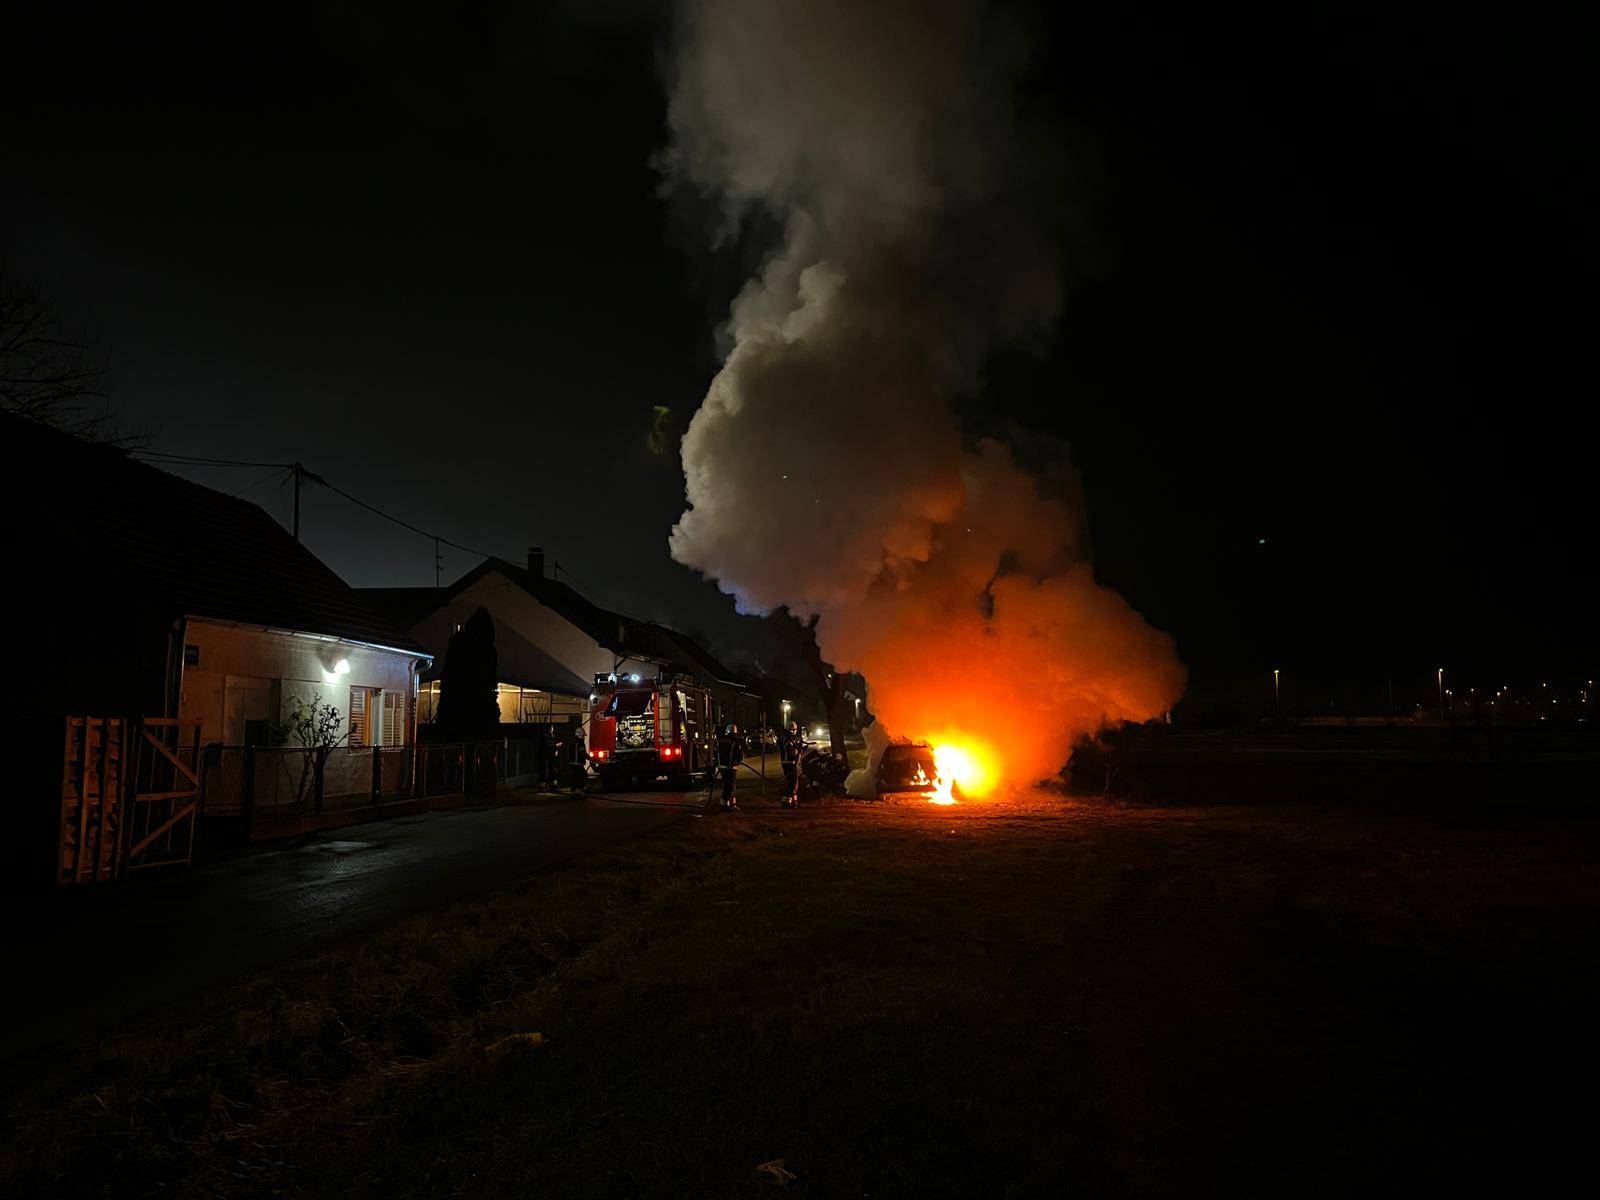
pixel 642 730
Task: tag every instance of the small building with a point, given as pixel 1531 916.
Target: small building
pixel 551 641
pixel 150 597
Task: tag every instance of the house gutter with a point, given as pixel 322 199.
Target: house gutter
pixel 177 637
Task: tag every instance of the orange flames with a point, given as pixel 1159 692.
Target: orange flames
pixel 962 765
pixel 999 648
pixel 958 764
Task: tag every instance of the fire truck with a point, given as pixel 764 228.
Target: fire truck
pixel 642 730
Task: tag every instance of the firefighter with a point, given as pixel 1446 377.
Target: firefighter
pixel 552 758
pixel 577 758
pixel 729 755
pixel 793 746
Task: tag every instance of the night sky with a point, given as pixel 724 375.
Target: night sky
pixel 1319 363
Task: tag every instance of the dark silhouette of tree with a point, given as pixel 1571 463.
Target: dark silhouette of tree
pixel 49 375
pixel 468 708
pixel 830 684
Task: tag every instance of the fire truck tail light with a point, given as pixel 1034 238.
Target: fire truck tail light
pixel 599 754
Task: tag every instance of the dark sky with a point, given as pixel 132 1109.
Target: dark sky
pixel 1325 290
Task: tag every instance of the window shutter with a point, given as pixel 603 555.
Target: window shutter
pixel 392 708
pixel 358 717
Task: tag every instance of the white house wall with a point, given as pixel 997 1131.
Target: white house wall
pixel 511 605
pixel 256 674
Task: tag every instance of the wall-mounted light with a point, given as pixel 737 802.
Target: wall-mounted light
pixel 342 667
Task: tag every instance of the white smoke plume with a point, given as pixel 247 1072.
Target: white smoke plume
pixel 826 470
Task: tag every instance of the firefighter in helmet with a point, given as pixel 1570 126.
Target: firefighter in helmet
pixel 729 755
pixel 790 750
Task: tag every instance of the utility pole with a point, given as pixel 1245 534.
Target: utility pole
pixel 438 562
pixel 300 476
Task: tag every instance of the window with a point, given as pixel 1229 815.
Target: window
pixel 191 655
pixel 427 701
pixel 377 718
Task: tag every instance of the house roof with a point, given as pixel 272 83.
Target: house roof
pixel 620 634
pixel 604 626
pixel 520 662
pixel 170 546
pixel 404 607
pixel 683 647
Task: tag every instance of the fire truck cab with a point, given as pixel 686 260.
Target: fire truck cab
pixel 642 730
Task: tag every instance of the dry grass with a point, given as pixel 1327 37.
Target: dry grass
pixel 895 1000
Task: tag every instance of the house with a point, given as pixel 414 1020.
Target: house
pixel 143 595
pixel 551 641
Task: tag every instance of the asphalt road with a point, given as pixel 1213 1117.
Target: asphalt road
pixel 101 955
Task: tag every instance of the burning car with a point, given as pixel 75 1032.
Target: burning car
pixel 907 767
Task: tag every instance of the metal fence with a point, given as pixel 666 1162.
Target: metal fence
pixel 266 785
pixel 262 782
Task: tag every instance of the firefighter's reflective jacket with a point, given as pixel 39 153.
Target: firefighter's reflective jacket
pixel 793 746
pixel 729 752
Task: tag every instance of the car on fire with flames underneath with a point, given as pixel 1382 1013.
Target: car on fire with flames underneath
pixel 907 767
pixel 645 730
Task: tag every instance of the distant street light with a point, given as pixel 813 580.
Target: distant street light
pixel 1441 693
pixel 1274 691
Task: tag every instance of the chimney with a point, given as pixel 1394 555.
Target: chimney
pixel 536 561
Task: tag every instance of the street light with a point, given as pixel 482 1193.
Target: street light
pixel 786 714
pixel 1274 690
pixel 1441 693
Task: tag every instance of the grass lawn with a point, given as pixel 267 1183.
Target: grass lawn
pixel 1039 998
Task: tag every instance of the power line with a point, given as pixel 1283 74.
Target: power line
pixel 595 592
pixel 194 460
pixel 263 481
pixel 443 541
pixel 302 473
pixel 199 461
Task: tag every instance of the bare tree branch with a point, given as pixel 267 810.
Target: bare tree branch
pixel 49 376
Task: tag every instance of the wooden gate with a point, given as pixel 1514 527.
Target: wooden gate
pixel 164 804
pixel 130 796
pixel 91 801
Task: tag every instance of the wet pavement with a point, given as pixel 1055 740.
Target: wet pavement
pixel 101 955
